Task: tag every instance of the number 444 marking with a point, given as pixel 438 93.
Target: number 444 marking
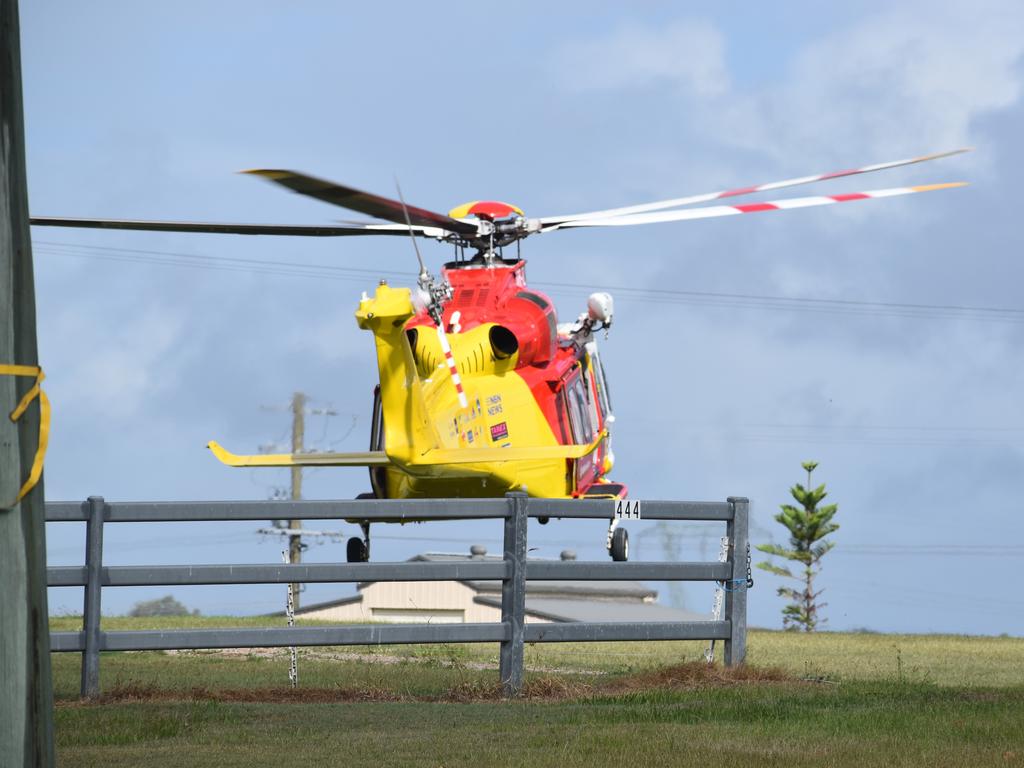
pixel 627 509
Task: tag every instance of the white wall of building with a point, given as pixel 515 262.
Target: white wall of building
pixel 412 602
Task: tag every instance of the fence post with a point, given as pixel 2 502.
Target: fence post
pixel 93 590
pixel 736 593
pixel 513 595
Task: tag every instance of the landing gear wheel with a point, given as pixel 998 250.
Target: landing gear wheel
pixel 356 550
pixel 620 545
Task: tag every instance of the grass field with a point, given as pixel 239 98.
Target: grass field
pixel 825 699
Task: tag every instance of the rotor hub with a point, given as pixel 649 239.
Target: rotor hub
pixel 485 209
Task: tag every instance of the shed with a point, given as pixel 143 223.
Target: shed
pixel 480 601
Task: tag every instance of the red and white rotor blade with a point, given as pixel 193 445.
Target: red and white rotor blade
pixel 709 196
pixel 731 210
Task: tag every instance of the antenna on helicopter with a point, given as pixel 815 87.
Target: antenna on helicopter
pixel 436 293
pixel 412 235
pixel 432 292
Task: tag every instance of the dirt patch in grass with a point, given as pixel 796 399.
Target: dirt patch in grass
pixel 536 688
pixel 540 688
pixel 136 692
pixel 696 674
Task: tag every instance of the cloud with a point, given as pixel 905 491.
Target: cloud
pixel 897 81
pixel 685 53
pixel 908 79
pixel 113 367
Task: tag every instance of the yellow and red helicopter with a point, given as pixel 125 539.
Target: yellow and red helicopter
pixel 481 390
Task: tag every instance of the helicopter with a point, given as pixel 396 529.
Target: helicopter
pixel 481 390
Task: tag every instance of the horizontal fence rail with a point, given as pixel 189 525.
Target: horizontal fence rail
pixel 282 637
pixel 177 575
pixel 512 571
pixel 372 510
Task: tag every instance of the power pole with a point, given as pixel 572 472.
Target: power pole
pixel 298 436
pixel 26 694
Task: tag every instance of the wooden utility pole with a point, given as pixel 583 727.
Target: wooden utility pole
pixel 26 693
pixel 298 437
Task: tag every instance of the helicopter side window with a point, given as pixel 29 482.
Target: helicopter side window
pixel 592 407
pixel 603 395
pixel 579 412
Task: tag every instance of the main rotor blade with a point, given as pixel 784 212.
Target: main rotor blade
pixel 703 198
pixel 730 210
pixel 364 202
pixel 238 229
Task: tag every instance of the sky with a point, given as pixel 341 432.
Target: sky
pixel 881 339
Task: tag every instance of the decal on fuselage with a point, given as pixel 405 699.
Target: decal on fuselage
pixel 494 406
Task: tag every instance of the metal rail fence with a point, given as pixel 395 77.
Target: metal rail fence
pixel 511 632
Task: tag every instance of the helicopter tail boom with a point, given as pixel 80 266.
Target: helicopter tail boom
pixel 354 459
pixel 380 458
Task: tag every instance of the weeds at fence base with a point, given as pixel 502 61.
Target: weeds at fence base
pixel 697 674
pixel 691 675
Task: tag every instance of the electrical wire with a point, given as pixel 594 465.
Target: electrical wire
pixel 871 307
pixel 627 293
pixel 879 435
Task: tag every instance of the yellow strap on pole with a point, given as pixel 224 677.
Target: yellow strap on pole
pixel 44 422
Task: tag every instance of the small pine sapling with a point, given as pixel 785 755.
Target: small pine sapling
pixel 808 524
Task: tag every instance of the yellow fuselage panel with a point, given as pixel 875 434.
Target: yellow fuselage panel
pixel 421 411
pixel 546 479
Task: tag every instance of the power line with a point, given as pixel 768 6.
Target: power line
pixel 867 427
pixel 880 435
pixel 197 259
pixel 246 266
pixel 869 586
pixel 627 293
pixel 196 540
pixel 876 442
pixel 937 551
pixel 806 300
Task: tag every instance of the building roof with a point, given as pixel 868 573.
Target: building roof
pixel 554 600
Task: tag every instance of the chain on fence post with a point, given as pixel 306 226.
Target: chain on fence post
pixel 513 596
pixel 293 665
pixel 93 591
pixel 716 610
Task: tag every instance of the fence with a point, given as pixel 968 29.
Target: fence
pixel 513 570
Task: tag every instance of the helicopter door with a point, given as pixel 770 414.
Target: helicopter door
pixel 583 420
pixel 378 476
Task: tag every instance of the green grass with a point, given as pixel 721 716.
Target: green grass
pixel 861 724
pixel 74 623
pixel 848 699
pixel 942 659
